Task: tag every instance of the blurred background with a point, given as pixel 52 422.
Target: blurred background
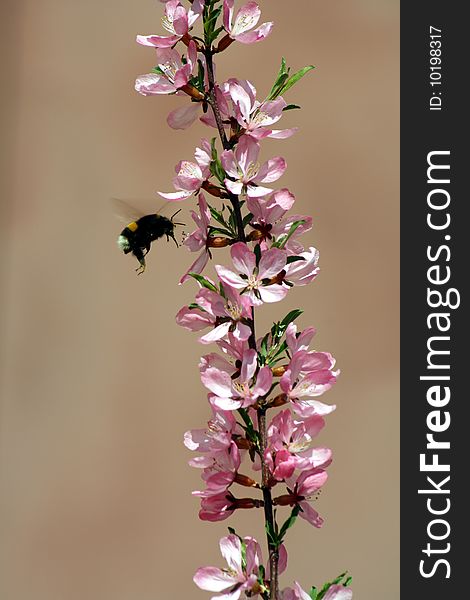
pixel 98 384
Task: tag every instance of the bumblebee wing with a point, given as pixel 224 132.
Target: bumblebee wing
pixel 127 212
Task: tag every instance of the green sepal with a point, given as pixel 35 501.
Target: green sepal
pixel 291 259
pixel 289 522
pixel 282 241
pixel 203 281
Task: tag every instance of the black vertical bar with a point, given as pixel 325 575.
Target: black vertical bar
pixel 434 131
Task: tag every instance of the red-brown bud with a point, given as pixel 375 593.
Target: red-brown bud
pixel 243 443
pixel 224 43
pixel 218 242
pixel 284 500
pixel 245 480
pixel 254 235
pixel 279 371
pixel 279 400
pixel 193 92
pixel 213 190
pixel 248 503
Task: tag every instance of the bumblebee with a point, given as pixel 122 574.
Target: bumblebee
pixel 138 235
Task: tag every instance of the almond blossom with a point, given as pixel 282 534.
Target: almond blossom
pixel 188 181
pixel 217 508
pixel 197 240
pixel 338 592
pixel 217 435
pixel 258 283
pixel 295 593
pixel 219 470
pixel 173 74
pixel 241 29
pixel 257 117
pixel 243 559
pixel 309 374
pixel 177 21
pixel 230 394
pixel 303 272
pixel 299 340
pixel 289 445
pixel 224 313
pixel 307 484
pixel 245 173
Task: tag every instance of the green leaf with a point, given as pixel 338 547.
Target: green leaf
pixel 246 219
pixel 291 107
pixel 257 251
pixel 289 522
pixel 295 78
pixel 281 78
pixel 272 536
pixel 282 241
pixel 217 215
pixel 291 317
pixel 313 593
pixel 220 231
pixel 203 281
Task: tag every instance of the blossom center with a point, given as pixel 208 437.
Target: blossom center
pixel 190 170
pixel 252 282
pixel 242 389
pixel 252 171
pixel 169 70
pixel 243 23
pixel 234 310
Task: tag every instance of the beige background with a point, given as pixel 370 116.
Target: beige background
pixel 98 382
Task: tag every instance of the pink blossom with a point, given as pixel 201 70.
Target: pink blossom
pixel 233 347
pixel 310 374
pixel 283 228
pixel 245 173
pixel 243 560
pixel 188 181
pixel 197 240
pixel 255 281
pixel 338 592
pixel 303 272
pixel 184 116
pixel 271 220
pixel 217 436
pixel 269 210
pixel 220 469
pixel 176 21
pixel 173 73
pixel 215 361
pixel 217 508
pixel 230 394
pixel 257 117
pixel 295 593
pixel 307 484
pixel 246 18
pixel 298 341
pixel 289 445
pixel 224 313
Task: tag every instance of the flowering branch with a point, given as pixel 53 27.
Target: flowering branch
pixel 249 376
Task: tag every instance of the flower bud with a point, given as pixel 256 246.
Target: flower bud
pixel 224 43
pixel 279 371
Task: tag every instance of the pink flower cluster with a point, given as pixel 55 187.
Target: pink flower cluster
pixel 245 376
